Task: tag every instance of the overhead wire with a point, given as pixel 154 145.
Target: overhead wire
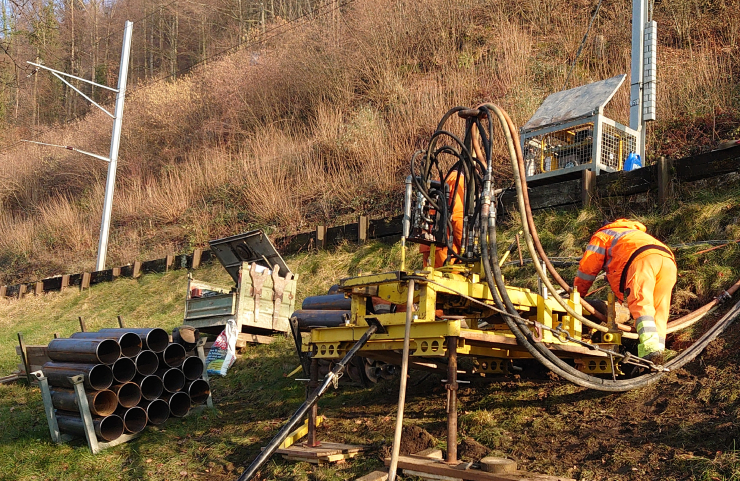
pixel 269 34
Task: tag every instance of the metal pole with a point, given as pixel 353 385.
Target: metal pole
pixel 114 145
pixel 451 400
pixel 333 376
pixel 402 388
pixel 314 411
pixel 639 16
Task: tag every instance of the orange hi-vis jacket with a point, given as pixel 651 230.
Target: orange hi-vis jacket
pixel 456 218
pixel 610 249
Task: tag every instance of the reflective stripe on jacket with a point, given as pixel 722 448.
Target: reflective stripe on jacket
pixel 609 249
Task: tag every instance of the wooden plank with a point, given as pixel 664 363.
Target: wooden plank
pixel 296 243
pixel 432 453
pixel 85 280
pixel 545 196
pixel 363 228
pixel 169 261
pixel 65 282
pixel 433 477
pixel 38 288
pixel 195 259
pixel 621 183
pixel 154 265
pixel 53 283
pixel 588 184
pixel 710 164
pixel 3 291
pixel 137 270
pixel 374 476
pixel 299 433
pixel 432 466
pixel 664 180
pixel 321 237
pixel 380 228
pixel 24 358
pixel 244 337
pixel 339 234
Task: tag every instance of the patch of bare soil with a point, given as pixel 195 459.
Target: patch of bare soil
pixel 471 450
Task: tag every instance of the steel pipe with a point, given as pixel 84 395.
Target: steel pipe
pixel 178 402
pixel 151 386
pixel 101 403
pixel 332 302
pixel 173 355
pixel 153 338
pixel 129 342
pixel 173 379
pixel 308 320
pixel 107 428
pixel 105 351
pixel 96 376
pixel 157 410
pixel 128 394
pixel 198 391
pixel 134 418
pixel 124 369
pixel 193 368
pixel 147 362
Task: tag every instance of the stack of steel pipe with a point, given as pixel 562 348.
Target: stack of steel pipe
pixel 132 377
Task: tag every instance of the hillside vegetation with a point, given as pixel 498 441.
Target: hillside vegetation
pixel 684 428
pixel 316 123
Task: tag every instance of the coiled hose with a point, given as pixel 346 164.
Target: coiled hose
pixel 498 289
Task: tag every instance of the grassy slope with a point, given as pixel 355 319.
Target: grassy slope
pixel 683 428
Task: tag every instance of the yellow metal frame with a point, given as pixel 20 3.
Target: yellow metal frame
pixel 438 292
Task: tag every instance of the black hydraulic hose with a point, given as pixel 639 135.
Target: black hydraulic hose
pixel 333 375
pixel 602 384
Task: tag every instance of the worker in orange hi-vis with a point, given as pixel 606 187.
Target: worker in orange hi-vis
pixel 456 218
pixel 641 270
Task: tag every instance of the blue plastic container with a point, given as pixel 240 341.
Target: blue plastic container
pixel 633 162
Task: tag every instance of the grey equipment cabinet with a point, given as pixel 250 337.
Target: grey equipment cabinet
pixel 263 298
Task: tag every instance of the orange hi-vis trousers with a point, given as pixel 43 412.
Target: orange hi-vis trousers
pixel 650 280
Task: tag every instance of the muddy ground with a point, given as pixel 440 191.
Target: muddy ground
pixel 683 427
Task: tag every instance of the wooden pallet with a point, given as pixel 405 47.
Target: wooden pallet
pixel 325 453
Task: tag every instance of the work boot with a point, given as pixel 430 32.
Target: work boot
pixel 656 357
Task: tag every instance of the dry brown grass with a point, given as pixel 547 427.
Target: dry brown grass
pixel 318 126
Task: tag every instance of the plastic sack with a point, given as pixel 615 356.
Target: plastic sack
pixel 223 352
pixel 633 162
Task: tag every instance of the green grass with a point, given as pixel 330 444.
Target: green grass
pixel 255 398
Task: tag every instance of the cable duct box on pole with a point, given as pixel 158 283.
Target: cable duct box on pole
pixel 570 133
